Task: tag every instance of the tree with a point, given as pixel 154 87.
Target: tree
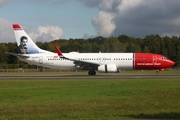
pixel 146 49
pixel 153 43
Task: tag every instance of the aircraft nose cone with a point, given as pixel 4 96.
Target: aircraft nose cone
pixel 172 63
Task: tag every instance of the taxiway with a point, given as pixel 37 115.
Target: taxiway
pixel 87 76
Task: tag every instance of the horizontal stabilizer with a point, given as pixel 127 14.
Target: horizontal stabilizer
pixel 18 55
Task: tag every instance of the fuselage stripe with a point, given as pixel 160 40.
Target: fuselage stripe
pixel 133 61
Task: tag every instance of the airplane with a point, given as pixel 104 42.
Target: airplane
pixel 101 62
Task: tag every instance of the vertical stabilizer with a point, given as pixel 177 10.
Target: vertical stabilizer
pixel 24 42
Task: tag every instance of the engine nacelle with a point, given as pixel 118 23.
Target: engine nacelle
pixel 108 68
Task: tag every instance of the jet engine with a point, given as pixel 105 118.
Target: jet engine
pixel 108 68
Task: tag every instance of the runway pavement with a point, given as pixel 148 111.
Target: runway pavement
pixel 87 76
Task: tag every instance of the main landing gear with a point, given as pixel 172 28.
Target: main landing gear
pixel 92 72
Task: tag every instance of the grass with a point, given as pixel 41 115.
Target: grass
pixel 89 98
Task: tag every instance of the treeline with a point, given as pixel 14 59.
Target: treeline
pixel 167 46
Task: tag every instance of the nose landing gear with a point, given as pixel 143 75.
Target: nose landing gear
pixel 157 72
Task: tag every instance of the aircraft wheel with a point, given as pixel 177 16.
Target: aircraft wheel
pixel 157 72
pixel 92 72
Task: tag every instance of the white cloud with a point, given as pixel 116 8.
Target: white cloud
pixel 6 32
pixel 2 2
pixel 103 23
pixel 47 33
pixel 126 5
pixel 44 34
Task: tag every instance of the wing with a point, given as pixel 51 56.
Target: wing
pixel 86 65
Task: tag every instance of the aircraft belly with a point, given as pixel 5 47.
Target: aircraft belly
pixel 126 65
pixel 28 60
pixel 65 65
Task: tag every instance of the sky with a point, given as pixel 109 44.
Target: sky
pixel 47 20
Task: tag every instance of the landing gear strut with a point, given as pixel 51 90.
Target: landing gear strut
pixel 157 72
pixel 92 72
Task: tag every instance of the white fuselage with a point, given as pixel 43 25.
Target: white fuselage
pixel 52 60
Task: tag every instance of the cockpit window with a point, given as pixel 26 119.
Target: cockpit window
pixel 164 58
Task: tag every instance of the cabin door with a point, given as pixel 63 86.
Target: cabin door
pixel 40 60
pixel 154 59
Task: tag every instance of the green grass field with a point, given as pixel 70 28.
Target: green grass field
pixel 89 98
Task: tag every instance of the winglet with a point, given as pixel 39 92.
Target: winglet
pixel 58 51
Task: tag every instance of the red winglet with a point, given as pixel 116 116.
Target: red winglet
pixel 17 27
pixel 58 51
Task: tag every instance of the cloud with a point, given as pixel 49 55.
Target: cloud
pixel 103 23
pixel 2 2
pixel 139 18
pixel 136 18
pixel 47 33
pixel 109 5
pixel 6 32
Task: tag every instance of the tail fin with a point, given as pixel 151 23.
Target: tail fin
pixel 24 42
